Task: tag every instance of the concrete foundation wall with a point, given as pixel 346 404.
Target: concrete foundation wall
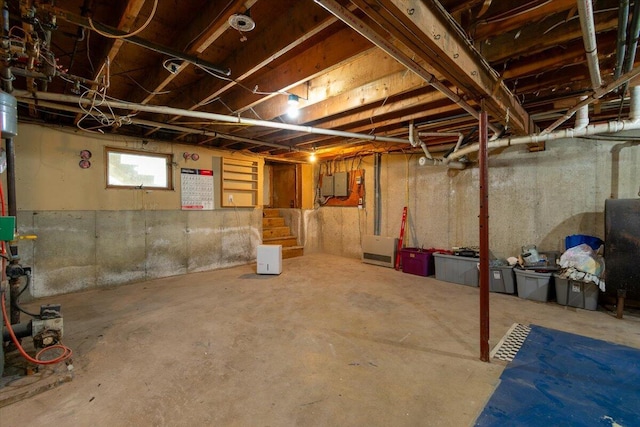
pixel 534 198
pixel 78 250
pixel 90 236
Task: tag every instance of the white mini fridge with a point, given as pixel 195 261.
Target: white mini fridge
pixel 269 259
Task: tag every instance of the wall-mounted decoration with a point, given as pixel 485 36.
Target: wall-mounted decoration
pixel 84 164
pixel 193 156
pixel 85 154
pixel 197 189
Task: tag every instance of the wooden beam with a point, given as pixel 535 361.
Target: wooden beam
pixel 285 33
pixel 431 35
pixel 540 36
pixel 201 33
pixel 487 28
pixel 326 61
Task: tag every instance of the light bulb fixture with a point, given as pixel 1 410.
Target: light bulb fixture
pixel 312 156
pixel 293 101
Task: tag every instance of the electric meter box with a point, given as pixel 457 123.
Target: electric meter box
pixel 7 228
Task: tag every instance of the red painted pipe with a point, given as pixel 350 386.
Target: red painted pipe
pixel 484 239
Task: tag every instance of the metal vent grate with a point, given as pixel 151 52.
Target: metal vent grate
pixel 509 345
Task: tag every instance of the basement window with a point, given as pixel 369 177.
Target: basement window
pixel 138 169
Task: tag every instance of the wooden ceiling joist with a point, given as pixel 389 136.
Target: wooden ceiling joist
pixel 432 37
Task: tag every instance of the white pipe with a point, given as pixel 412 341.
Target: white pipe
pixel 160 109
pixel 585 11
pixel 634 107
pixel 582 115
pixel 437 134
pixel 597 94
pixel 596 129
pixel 150 123
pixel 367 32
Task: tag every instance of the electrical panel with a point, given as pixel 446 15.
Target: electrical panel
pixel 327 186
pixel 340 187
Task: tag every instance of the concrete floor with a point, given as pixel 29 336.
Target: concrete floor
pixel 329 342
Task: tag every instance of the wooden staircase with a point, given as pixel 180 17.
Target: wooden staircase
pixel 276 232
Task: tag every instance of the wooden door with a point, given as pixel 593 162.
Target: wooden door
pixel 285 186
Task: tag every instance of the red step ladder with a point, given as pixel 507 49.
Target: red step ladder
pixel 400 240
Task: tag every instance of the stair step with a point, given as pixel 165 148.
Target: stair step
pixel 273 222
pixel 275 232
pixel 287 241
pixel 271 213
pixel 292 251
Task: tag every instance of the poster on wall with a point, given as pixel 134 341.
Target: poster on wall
pixel 197 189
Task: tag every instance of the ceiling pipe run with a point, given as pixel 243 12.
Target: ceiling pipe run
pixel 623 19
pixel 585 12
pixel 634 108
pixel 429 160
pixel 597 94
pixel 160 109
pixel 168 126
pixel 367 32
pixel 632 41
pixel 596 129
pixel 84 22
pixel 582 115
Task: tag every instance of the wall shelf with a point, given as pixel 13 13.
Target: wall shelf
pixel 239 181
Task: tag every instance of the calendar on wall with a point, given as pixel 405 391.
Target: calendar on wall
pixel 197 189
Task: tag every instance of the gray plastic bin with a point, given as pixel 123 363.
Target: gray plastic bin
pixel 576 293
pixel 502 279
pixel 457 269
pixel 533 286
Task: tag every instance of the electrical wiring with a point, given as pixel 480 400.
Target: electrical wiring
pixel 124 36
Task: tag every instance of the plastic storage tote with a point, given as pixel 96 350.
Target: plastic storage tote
pixel 576 293
pixel 532 285
pixel 502 279
pixel 457 269
pixel 578 239
pixel 417 261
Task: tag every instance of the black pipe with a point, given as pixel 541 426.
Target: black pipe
pixel 623 20
pixel 14 284
pixel 11 177
pixel 22 330
pixel 632 42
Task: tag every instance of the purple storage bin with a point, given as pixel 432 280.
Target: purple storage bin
pixel 417 261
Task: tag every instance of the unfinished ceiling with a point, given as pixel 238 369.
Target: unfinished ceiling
pixel 362 70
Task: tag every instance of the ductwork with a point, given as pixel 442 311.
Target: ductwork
pixel 585 11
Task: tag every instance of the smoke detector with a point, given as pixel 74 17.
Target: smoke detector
pixel 241 22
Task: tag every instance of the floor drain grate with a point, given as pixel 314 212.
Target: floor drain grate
pixel 509 345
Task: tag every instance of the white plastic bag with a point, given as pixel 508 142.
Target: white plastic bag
pixel 582 258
